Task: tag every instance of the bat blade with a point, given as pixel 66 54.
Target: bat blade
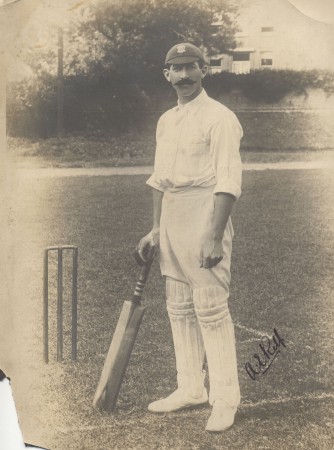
pixel 122 359
pixel 118 356
pixel 121 346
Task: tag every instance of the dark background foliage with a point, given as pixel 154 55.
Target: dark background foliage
pixel 113 64
pixel 114 104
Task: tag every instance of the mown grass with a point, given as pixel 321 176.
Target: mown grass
pixel 268 137
pixel 282 277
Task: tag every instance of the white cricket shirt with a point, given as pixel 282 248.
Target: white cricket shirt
pixel 198 145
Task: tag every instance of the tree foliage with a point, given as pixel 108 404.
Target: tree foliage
pixel 114 53
pixel 135 35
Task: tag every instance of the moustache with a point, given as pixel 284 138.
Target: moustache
pixel 185 82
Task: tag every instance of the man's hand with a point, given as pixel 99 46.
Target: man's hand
pixel 211 252
pixel 149 244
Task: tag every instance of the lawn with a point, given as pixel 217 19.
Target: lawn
pixel 282 278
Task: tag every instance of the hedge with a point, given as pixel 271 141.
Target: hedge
pixel 269 86
pixel 112 104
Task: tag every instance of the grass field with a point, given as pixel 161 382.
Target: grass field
pixel 268 136
pixel 282 278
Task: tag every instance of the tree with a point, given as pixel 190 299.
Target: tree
pixel 134 35
pixel 113 57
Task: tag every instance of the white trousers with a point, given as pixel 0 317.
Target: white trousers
pixel 197 297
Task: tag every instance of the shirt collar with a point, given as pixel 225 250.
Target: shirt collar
pixel 193 103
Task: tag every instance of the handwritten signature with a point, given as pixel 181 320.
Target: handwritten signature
pixel 270 348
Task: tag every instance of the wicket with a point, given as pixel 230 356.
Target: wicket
pixel 59 249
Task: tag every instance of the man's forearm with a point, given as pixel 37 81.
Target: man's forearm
pixel 157 201
pixel 223 208
pixel 149 243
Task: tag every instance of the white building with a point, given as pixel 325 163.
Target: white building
pixel 276 35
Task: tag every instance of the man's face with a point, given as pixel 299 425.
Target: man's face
pixel 186 79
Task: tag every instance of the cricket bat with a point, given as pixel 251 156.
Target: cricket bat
pixel 122 344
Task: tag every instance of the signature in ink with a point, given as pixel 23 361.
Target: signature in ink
pixel 262 362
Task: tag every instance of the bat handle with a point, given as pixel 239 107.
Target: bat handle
pixel 141 282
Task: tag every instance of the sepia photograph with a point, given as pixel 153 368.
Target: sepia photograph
pixel 166 224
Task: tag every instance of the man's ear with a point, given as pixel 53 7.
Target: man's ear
pixel 166 73
pixel 205 70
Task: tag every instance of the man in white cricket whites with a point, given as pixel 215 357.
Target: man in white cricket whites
pixel 196 180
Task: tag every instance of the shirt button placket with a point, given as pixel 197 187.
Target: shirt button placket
pixel 182 121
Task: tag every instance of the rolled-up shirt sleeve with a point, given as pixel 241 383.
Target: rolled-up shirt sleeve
pixel 152 181
pixel 225 136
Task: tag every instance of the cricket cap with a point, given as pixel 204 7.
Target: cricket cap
pixel 184 53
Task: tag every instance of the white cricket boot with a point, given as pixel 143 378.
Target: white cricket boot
pixel 218 334
pixel 179 399
pixel 189 351
pixel 222 417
